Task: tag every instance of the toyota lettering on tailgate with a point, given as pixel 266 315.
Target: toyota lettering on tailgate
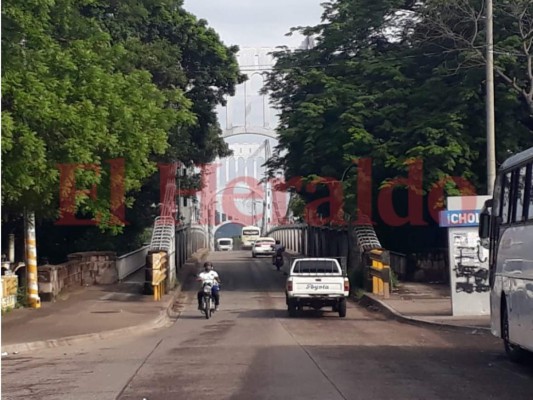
pixel 311 286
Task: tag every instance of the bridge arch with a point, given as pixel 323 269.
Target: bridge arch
pixel 227 223
pixel 242 130
pixel 227 229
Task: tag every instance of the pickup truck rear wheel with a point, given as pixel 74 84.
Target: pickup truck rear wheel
pixel 292 309
pixel 342 308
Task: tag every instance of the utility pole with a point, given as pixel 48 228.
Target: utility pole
pixel 30 241
pixel 253 208
pixel 209 228
pixel 179 195
pixel 31 261
pixel 491 135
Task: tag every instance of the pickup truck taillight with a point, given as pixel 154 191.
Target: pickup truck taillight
pixel 346 285
pixel 289 286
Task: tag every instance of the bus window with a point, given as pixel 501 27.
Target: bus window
pixel 520 191
pixel 529 192
pixel 504 212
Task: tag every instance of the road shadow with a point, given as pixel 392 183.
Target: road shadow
pixel 431 373
pixel 283 314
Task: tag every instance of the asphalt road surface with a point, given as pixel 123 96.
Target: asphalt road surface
pixel 251 349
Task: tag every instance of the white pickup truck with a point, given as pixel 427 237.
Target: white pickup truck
pixel 317 283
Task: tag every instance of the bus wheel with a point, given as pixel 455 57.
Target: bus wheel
pixel 515 353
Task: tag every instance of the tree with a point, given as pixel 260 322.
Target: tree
pixel 378 85
pixel 459 26
pixel 179 51
pixel 86 82
pixel 64 102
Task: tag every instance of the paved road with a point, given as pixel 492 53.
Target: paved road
pixel 252 350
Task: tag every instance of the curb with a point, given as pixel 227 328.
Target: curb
pixel 156 323
pixel 165 316
pixel 390 312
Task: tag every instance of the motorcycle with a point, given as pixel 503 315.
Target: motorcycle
pixel 278 261
pixel 208 301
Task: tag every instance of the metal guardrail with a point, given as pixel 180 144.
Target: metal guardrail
pixel 365 234
pixel 366 237
pixel 163 234
pixel 131 262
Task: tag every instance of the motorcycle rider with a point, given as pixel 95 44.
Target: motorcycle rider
pixel 278 249
pixel 209 275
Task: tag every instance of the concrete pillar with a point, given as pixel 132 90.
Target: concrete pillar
pixel 31 261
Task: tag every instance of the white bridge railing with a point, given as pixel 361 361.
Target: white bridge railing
pixel 129 263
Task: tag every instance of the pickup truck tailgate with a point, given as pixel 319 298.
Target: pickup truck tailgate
pixel 317 285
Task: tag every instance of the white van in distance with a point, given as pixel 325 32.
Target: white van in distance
pixel 224 244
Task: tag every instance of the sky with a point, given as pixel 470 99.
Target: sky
pixel 257 23
pixel 254 24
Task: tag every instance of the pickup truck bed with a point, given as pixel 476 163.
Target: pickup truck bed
pixel 316 283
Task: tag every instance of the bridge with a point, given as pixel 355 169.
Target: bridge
pixel 238 192
pixel 241 194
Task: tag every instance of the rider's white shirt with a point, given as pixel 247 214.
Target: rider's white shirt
pixel 208 277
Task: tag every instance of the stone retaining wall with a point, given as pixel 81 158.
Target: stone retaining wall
pixel 81 269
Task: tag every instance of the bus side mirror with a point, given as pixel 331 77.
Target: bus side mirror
pixel 484 225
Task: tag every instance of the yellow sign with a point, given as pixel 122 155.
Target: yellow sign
pixel 159 276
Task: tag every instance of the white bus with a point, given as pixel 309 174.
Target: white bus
pixel 249 235
pixel 507 222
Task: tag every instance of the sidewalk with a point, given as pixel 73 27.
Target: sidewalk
pixel 92 313
pixel 425 304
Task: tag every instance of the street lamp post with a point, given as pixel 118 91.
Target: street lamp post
pixel 491 135
pixel 209 225
pixel 253 202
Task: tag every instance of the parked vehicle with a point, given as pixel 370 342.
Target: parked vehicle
pixel 263 247
pixel 278 261
pixel 506 228
pixel 317 283
pixel 224 244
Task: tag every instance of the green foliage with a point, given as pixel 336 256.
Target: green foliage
pixel 364 91
pixel 22 297
pixel 357 279
pixel 297 206
pixel 63 101
pixel 89 81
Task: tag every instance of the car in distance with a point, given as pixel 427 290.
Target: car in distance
pixel 224 244
pixel 263 247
